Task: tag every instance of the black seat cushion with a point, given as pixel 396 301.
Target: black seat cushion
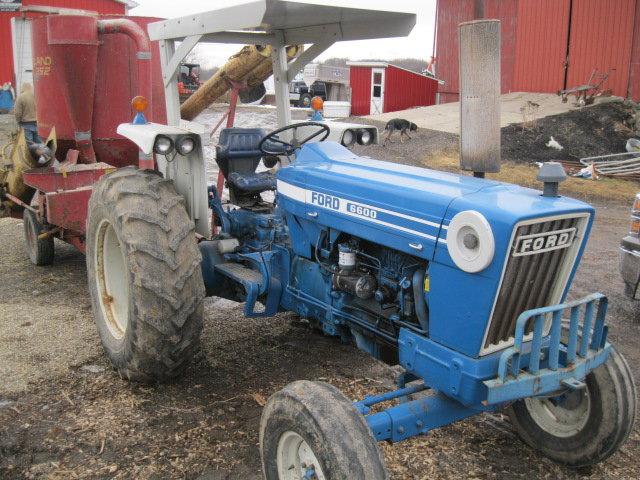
pixel 253 182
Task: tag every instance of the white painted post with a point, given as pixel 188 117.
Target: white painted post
pixel 171 98
pixel 279 62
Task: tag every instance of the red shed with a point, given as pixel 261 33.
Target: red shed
pixel 10 9
pixel 379 87
pixel 548 45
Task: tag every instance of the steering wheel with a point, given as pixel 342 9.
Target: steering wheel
pixel 267 146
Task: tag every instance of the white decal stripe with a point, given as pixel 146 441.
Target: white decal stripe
pixel 291 191
pixel 303 195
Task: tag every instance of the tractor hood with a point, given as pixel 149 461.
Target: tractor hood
pixel 403 207
pixel 407 202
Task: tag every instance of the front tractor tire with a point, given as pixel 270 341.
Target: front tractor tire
pixel 583 427
pixel 144 275
pixel 311 430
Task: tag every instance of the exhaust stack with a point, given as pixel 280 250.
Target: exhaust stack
pixel 480 96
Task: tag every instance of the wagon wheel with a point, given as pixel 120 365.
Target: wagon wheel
pixel 40 250
pixel 310 430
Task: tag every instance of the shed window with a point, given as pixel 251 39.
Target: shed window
pixel 377 78
pixel 377 91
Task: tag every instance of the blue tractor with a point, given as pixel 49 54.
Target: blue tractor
pixel 461 281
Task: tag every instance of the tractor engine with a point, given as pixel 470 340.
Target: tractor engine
pixel 382 288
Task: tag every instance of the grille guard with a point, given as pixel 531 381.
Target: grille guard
pixel 552 365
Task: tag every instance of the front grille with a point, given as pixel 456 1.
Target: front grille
pixel 532 280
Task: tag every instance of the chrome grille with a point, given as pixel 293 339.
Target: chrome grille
pixel 532 280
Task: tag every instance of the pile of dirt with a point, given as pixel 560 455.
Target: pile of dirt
pixel 586 132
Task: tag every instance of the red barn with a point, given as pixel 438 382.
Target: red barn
pixel 379 87
pixel 10 9
pixel 548 45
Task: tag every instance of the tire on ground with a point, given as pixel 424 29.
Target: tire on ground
pixel 40 250
pixel 334 430
pixel 163 275
pixel 612 396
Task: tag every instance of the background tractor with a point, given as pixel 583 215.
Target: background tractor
pixel 459 280
pixel 189 80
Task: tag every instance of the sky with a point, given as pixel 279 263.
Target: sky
pixel 419 44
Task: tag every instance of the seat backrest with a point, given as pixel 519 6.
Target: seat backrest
pixel 237 150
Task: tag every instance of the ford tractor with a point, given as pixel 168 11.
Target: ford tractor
pixel 460 280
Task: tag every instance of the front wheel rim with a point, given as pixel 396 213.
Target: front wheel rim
pixel 111 280
pixel 562 416
pixel 296 460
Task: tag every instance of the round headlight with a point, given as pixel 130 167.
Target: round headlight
pixel 470 241
pixel 348 138
pixel 185 145
pixel 163 145
pixel 365 137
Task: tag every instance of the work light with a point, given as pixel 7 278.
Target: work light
pixel 348 138
pixel 163 145
pixel 364 137
pixel 185 145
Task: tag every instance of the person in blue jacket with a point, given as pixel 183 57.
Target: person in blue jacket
pixel 7 97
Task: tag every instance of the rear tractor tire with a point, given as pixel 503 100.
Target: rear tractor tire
pixel 311 430
pixel 40 250
pixel 583 427
pixel 144 275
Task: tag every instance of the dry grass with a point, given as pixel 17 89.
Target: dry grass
pixel 604 189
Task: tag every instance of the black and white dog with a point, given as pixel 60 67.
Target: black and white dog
pixel 404 126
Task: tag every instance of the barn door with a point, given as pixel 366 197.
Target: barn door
pixel 377 90
pixel 600 39
pixel 22 56
pixel 559 43
pixel 541 45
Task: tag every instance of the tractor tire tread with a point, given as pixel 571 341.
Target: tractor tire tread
pixel 615 394
pixel 167 286
pixel 44 249
pixel 327 420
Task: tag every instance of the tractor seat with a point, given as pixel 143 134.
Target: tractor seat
pixel 238 156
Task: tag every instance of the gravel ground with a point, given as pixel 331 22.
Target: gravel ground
pixel 65 414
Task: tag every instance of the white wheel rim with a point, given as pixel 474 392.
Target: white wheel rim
pixel 296 460
pixel 562 416
pixel 112 280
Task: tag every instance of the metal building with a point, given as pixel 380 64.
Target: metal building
pixel 548 45
pixel 15 32
pixel 379 87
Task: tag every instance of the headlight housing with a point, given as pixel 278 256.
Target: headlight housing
pixel 348 138
pixel 163 145
pixel 185 145
pixel 470 241
pixel 365 137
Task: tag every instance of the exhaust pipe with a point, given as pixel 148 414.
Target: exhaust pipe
pixel 479 42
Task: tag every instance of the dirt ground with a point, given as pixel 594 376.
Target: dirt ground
pixel 65 414
pixel 596 130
